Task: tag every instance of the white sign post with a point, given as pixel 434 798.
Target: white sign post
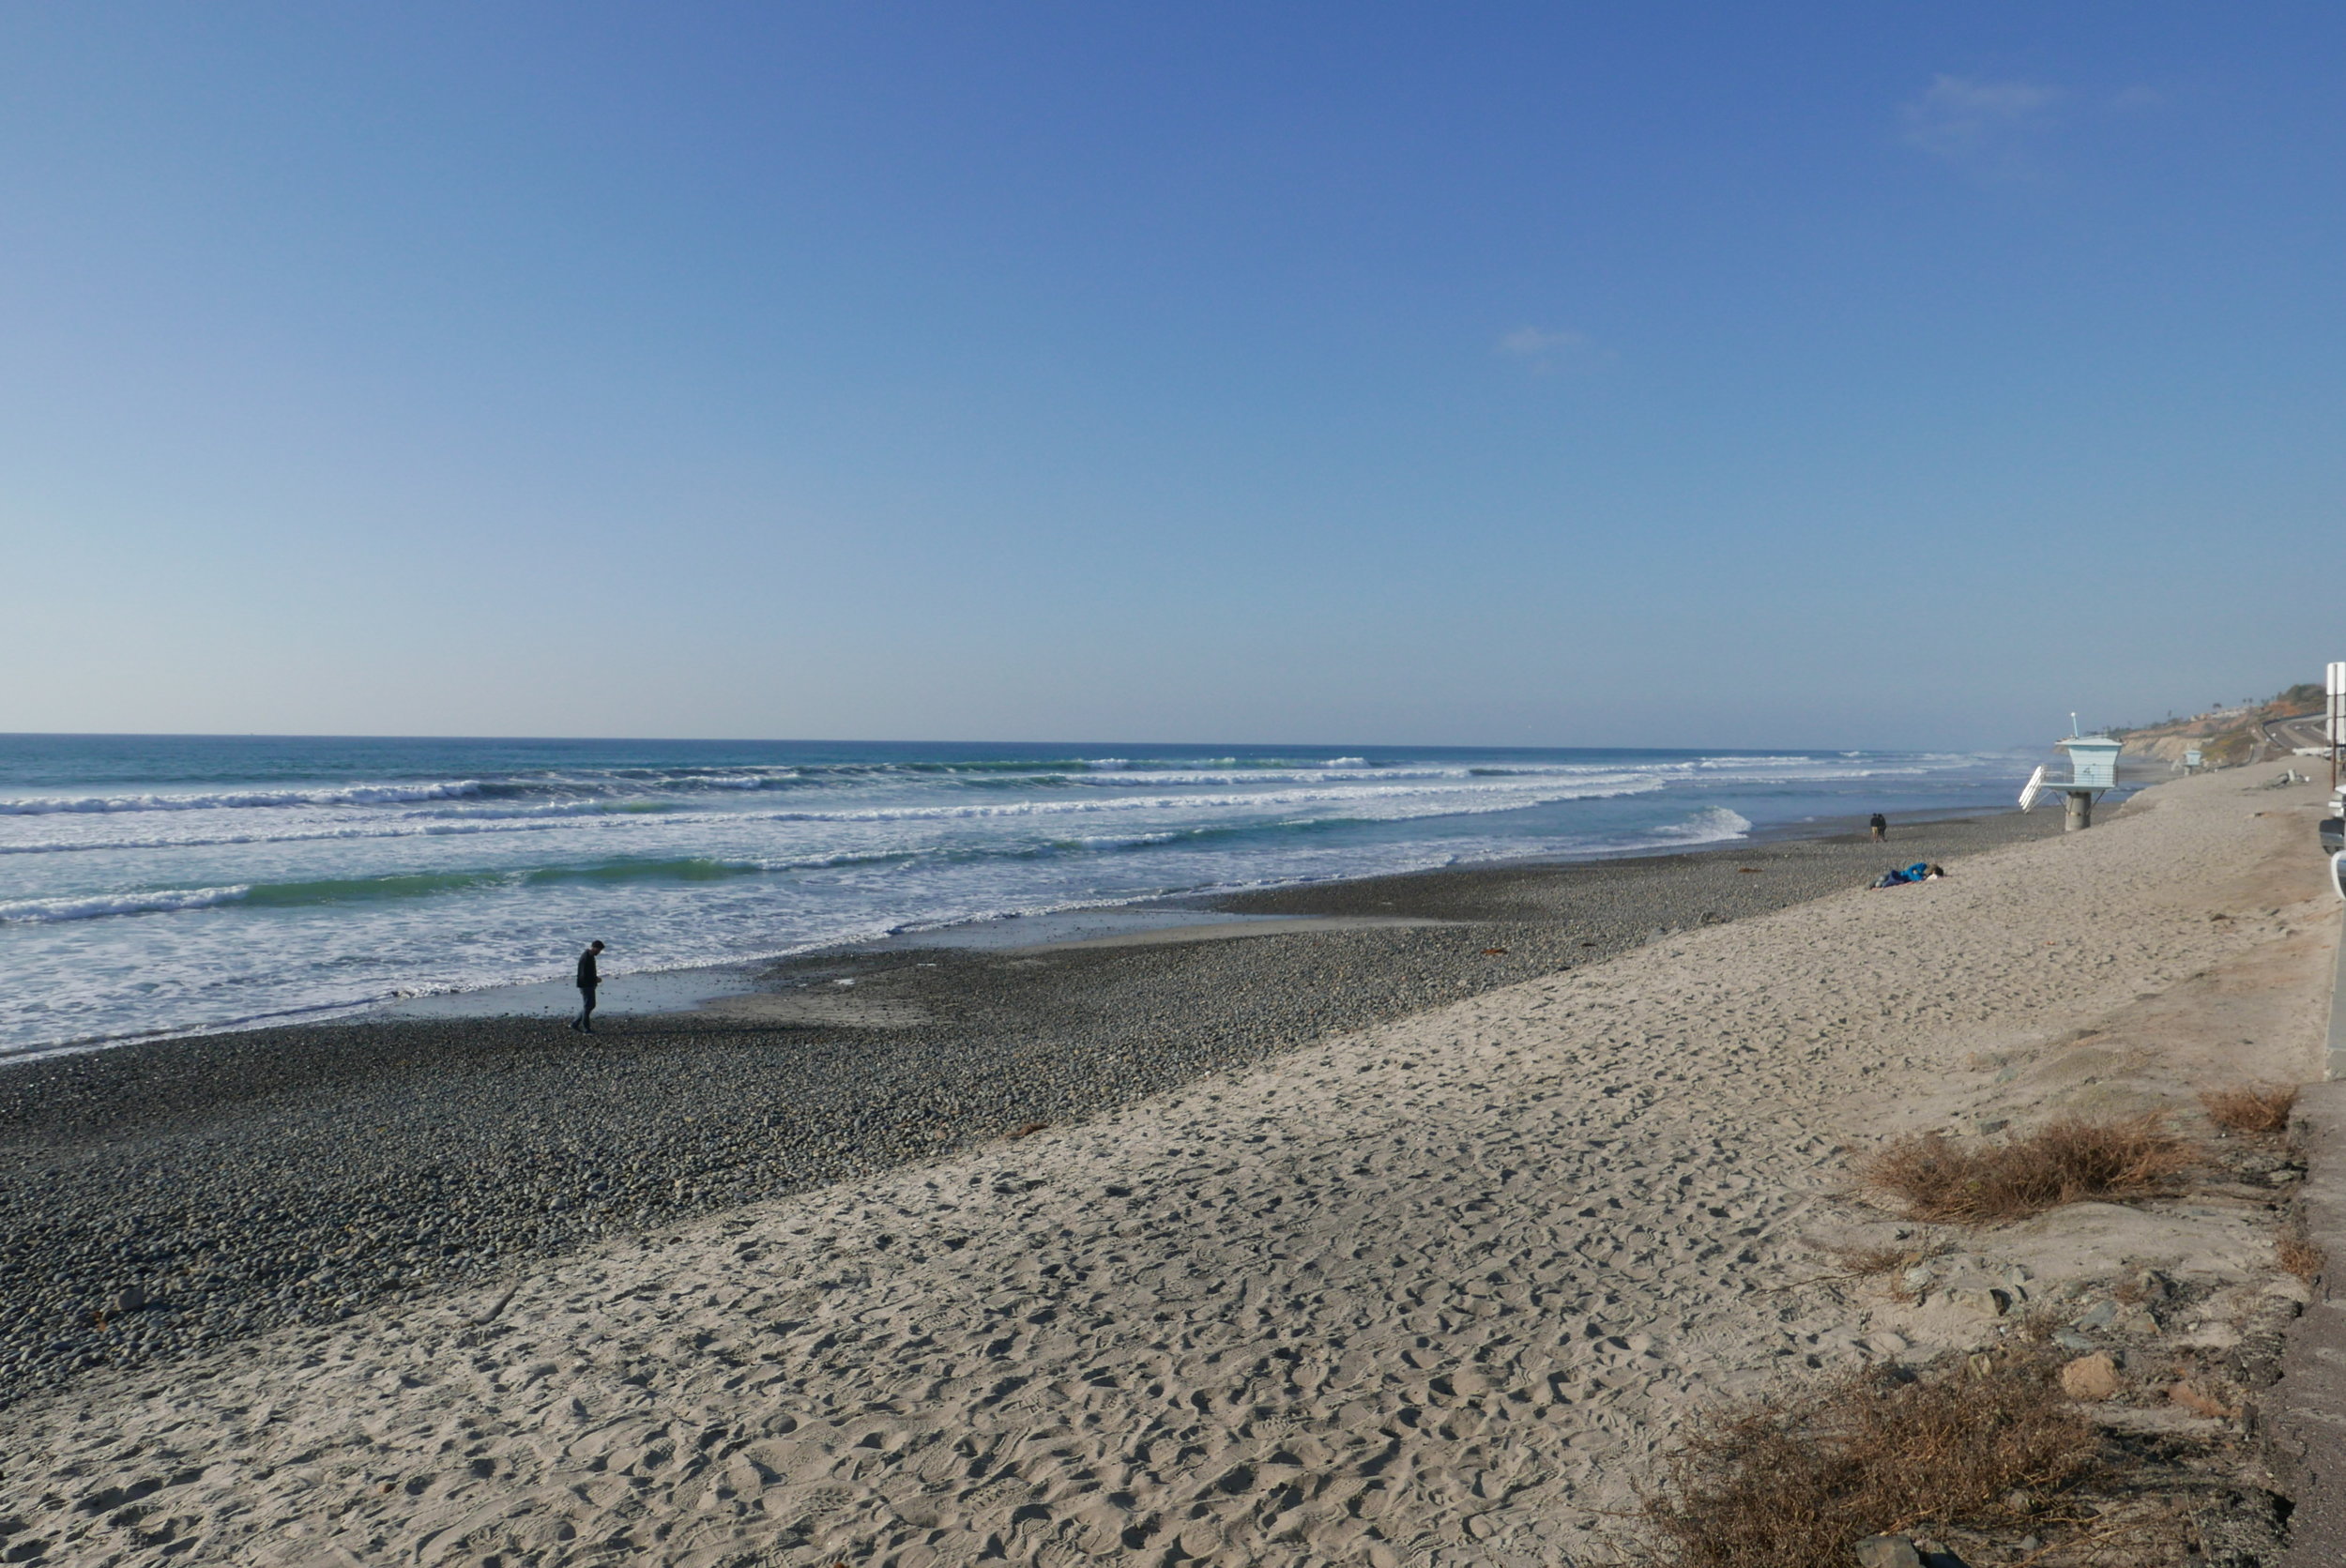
pixel 2334 731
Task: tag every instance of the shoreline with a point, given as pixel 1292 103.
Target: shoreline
pixel 1135 922
pixel 258 1179
pixel 684 987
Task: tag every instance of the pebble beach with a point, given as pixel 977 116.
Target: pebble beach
pixel 1363 1243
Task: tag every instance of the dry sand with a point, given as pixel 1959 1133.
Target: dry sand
pixel 1436 1293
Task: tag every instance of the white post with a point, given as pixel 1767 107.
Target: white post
pixel 2335 732
pixel 2334 1066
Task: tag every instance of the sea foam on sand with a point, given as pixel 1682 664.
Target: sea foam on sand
pixel 1439 1292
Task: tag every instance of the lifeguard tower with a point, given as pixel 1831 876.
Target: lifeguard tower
pixel 2092 771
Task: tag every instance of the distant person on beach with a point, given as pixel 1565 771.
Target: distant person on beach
pixel 1880 825
pixel 588 980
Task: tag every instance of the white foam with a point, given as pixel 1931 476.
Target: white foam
pixel 1123 841
pixel 1461 798
pixel 606 807
pixel 1711 825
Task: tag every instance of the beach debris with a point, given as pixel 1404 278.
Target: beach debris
pixel 2091 1377
pixel 1887 1551
pixel 2199 1403
pixel 1029 1129
pixel 502 1303
pixel 1746 870
pixel 1974 1294
pixel 1494 952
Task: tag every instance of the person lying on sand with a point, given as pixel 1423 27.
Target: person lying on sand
pixel 1919 871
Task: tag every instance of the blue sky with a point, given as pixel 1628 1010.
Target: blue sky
pixel 1824 374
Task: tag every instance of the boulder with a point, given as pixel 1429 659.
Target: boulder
pixel 2091 1377
pixel 1888 1551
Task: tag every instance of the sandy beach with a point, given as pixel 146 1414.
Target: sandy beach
pixel 254 1180
pixel 1422 1254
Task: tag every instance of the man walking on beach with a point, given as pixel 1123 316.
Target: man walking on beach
pixel 1880 825
pixel 588 980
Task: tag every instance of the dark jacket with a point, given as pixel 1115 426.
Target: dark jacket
pixel 588 979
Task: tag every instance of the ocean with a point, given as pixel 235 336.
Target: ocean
pixel 154 885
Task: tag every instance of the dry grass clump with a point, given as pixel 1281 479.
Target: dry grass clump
pixel 2063 1161
pixel 1794 1483
pixel 2250 1107
pixel 1864 1262
pixel 2298 1253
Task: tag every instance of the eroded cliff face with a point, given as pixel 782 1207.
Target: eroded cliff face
pixel 2221 742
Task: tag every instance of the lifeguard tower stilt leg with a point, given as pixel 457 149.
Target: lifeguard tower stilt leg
pixel 2079 814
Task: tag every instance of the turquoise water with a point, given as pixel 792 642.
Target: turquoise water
pixel 153 885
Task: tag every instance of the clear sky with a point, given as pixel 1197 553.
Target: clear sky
pixel 1547 374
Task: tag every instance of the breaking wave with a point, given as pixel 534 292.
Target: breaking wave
pixel 40 911
pixel 349 795
pixel 1711 825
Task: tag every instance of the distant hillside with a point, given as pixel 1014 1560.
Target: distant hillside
pixel 2225 737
